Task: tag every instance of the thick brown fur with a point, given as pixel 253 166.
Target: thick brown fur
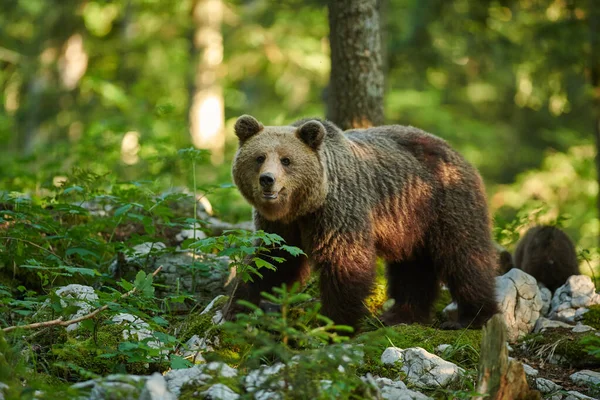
pixel 547 254
pixel 347 197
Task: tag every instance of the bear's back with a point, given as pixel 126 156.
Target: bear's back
pixel 406 144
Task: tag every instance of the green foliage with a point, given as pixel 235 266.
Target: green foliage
pixel 302 344
pixel 464 344
pixel 248 251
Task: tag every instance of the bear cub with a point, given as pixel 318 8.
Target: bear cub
pixel 346 197
pixel 547 254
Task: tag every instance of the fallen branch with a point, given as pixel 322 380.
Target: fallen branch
pixel 61 322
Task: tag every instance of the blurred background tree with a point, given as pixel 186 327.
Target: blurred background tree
pixel 119 86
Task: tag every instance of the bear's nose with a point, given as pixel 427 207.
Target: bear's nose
pixel 267 179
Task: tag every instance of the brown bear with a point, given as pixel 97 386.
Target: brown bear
pixel 347 197
pixel 547 254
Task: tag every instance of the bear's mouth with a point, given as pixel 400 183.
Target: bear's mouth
pixel 270 195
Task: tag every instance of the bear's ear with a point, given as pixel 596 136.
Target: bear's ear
pixel 312 133
pixel 247 126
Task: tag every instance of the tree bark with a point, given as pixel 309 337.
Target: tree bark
pixel 356 86
pixel 594 23
pixel 499 378
pixel 207 114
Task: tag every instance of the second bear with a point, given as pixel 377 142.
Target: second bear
pixel 547 254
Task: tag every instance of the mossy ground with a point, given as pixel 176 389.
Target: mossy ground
pixel 560 345
pixel 592 317
pixel 465 343
pixel 84 354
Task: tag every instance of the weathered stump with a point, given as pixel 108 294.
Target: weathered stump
pixel 499 378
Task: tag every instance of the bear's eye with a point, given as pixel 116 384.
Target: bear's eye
pixel 260 159
pixel 285 161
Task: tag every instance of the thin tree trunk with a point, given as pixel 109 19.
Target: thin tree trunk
pixel 355 96
pixel 499 378
pixel 594 21
pixel 207 115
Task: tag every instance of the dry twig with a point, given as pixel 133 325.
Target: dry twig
pixel 61 322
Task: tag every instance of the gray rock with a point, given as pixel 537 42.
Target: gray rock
pixel 543 324
pixel 203 275
pixel 137 329
pixel 263 379
pixel 529 370
pixel 546 386
pixel 520 302
pixel 3 388
pixel 391 356
pixel 80 296
pixel 177 378
pixel 586 378
pixel 220 392
pixel 156 389
pixel 573 395
pixel 397 390
pixel 442 348
pixel 581 328
pixel 222 369
pixel 546 299
pixel 190 233
pixel 426 370
pixel 570 301
pixel 117 386
pixel 197 375
pixel 451 311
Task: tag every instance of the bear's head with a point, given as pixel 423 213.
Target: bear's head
pixel 279 169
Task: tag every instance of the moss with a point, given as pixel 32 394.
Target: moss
pixel 83 352
pixel 464 351
pixel 565 346
pixel 592 317
pixel 200 324
pixel 376 300
pixel 442 301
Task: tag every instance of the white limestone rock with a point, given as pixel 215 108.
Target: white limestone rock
pixel 155 388
pixel 81 296
pixel 586 378
pixel 546 386
pixel 426 370
pixel 391 356
pixel 570 301
pixel 220 392
pixel 520 302
pixel 544 324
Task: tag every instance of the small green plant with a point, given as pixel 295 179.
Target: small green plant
pixel 305 348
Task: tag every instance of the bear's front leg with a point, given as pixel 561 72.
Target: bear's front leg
pixel 293 269
pixel 347 272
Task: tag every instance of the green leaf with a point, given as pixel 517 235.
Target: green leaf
pixel 83 253
pixel 73 188
pixel 122 210
pixel 160 321
pixel 81 271
pixel 178 362
pixel 143 284
pixel 260 263
pixel 295 251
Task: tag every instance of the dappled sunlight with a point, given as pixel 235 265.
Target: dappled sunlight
pixel 130 146
pixel 73 62
pixel 565 186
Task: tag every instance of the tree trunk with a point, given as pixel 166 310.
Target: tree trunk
pixel 594 21
pixel 499 378
pixel 355 96
pixel 207 115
